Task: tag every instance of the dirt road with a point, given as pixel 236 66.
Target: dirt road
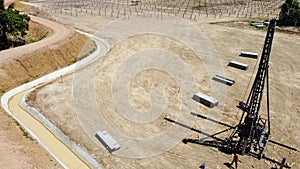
pixel 59 34
pixel 17 150
pixel 63 154
pixel 44 135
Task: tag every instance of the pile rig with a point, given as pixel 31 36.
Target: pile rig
pixel 253 131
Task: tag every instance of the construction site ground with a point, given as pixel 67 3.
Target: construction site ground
pixel 228 36
pixel 23 64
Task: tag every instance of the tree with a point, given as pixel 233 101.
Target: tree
pixel 289 14
pixel 1 4
pixel 13 26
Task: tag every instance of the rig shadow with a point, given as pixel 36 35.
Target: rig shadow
pixel 220 143
pixel 214 141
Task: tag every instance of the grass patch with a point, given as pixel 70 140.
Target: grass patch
pixel 25 81
pixel 38 39
pixel 86 53
pixel 25 133
pixel 2 91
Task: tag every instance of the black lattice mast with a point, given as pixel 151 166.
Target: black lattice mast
pixel 251 132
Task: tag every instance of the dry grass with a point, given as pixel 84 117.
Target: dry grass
pixel 25 69
pixel 36 32
pixel 19 151
pixel 19 5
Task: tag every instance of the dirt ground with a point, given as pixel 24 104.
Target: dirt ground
pixel 36 32
pixel 18 150
pixel 226 39
pixel 144 94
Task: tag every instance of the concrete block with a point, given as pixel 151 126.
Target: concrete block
pixel 238 65
pixel 249 55
pixel 205 100
pixel 223 80
pixel 108 142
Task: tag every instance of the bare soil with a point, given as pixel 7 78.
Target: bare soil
pixel 20 152
pixel 228 42
pixel 17 149
pixel 36 32
pixel 25 69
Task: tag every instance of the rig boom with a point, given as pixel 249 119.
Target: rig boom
pixel 253 132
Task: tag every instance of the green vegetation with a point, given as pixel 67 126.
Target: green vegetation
pixel 25 81
pixel 2 91
pixel 25 133
pixel 290 14
pixel 85 55
pixel 13 26
pixel 40 38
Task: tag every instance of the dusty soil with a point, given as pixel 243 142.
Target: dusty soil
pixel 18 66
pixel 20 152
pixel 25 69
pixel 36 32
pixel 8 2
pixel 284 77
pixel 228 42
